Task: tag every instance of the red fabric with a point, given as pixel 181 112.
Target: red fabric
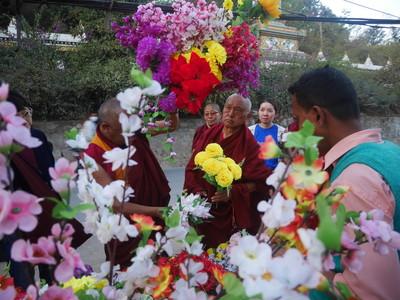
pixel 28 178
pixel 241 211
pixel 146 178
pixel 199 132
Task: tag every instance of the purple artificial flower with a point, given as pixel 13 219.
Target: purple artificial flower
pixel 156 55
pixel 78 272
pixel 168 103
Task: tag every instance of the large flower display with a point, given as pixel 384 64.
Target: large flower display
pixel 196 48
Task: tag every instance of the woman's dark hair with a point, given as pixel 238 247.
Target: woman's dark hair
pixel 18 100
pixel 329 88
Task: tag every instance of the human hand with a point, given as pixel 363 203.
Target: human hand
pixel 221 196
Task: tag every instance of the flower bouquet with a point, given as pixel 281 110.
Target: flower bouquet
pixel 195 49
pixel 219 170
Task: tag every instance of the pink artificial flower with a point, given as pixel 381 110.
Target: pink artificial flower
pixel 31 293
pixel 55 292
pixel 5 139
pixel 8 293
pixel 353 260
pixel 328 263
pixel 67 232
pixel 348 242
pixel 61 185
pixel 63 169
pixel 40 253
pixel 22 135
pixel 70 261
pixel 375 229
pixel 4 88
pixel 8 113
pixel 5 206
pixel 383 247
pixel 23 208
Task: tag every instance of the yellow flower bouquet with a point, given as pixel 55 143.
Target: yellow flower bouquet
pixel 219 170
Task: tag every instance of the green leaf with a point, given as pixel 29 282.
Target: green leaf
pixel 58 209
pixel 294 140
pixel 307 129
pixel 84 206
pixel 192 236
pixel 310 155
pixel 330 230
pixel 173 220
pixel 71 134
pixel 354 215
pixel 68 212
pixel 145 238
pixel 140 78
pixel 233 286
pixel 312 141
pixel 344 290
pixel 237 21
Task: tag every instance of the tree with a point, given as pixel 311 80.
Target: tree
pixel 374 36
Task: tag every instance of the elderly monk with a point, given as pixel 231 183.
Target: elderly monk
pixel 211 116
pixel 238 210
pixel 146 178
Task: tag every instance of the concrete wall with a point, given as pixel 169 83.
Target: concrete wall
pixel 55 133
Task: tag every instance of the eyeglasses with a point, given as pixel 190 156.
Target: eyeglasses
pixel 209 114
pixel 26 112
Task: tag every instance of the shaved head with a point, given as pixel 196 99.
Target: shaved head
pixel 109 110
pixel 108 123
pixel 246 101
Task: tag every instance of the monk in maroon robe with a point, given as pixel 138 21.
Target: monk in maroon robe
pixel 151 190
pixel 212 116
pixel 238 210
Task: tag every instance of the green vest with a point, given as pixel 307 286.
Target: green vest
pixel 384 158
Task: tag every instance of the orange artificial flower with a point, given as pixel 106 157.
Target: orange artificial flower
pixel 269 149
pixel 163 281
pixel 144 223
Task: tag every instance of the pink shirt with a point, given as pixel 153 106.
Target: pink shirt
pixel 380 276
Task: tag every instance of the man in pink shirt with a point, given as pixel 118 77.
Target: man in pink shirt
pixel 359 159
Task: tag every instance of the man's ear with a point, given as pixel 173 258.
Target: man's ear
pixel 319 116
pixel 103 127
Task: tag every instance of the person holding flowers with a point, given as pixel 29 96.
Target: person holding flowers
pixel 236 209
pixel 364 162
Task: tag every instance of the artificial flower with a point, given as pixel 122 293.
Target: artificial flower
pixel 22 135
pixel 168 103
pixel 144 223
pixel 272 7
pixel 280 213
pixel 129 124
pixel 119 157
pixel 40 253
pixel 56 292
pixel 269 149
pixel 201 157
pixel 213 166
pixel 224 178
pixel 162 281
pixel 4 88
pixel 131 100
pixel 214 150
pixel 228 5
pixel 308 177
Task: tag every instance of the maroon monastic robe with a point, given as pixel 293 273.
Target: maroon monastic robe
pixel 241 210
pixel 146 178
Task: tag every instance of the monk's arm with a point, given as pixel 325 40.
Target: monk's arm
pixel 128 208
pixel 166 126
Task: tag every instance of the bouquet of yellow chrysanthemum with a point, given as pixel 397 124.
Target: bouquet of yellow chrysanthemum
pixel 219 170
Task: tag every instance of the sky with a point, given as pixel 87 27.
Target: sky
pixel 342 8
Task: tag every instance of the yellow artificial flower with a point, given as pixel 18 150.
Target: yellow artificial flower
pixel 236 171
pixel 223 246
pixel 229 161
pixel 212 166
pixel 101 284
pixel 228 5
pixel 272 7
pixel 214 150
pixel 78 284
pixel 215 52
pixel 219 256
pixel 210 251
pixel 201 157
pixel 224 178
pixel 229 32
pixel 215 70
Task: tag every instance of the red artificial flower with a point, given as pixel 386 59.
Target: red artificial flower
pixel 192 81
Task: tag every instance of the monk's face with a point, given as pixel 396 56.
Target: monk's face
pixel 235 113
pixel 211 116
pixel 111 129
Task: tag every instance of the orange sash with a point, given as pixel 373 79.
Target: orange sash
pixel 119 173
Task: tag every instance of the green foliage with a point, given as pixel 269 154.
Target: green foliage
pixel 234 288
pixel 173 220
pixel 330 229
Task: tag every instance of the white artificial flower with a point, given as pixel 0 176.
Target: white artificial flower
pixel 293 295
pixel 104 270
pixel 277 175
pixel 130 99
pixel 90 222
pixel 79 142
pixel 269 289
pixel 105 228
pixel 191 269
pixel 195 249
pixel 292 270
pixel 118 189
pixel 184 292
pixel 154 89
pixel 129 125
pixel 280 213
pixel 118 157
pixel 125 230
pixel 89 128
pixel 175 240
pixel 314 247
pixel 250 256
pixel 89 164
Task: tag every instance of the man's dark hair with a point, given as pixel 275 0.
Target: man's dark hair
pixel 329 88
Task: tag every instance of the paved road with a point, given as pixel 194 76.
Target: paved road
pixel 92 252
